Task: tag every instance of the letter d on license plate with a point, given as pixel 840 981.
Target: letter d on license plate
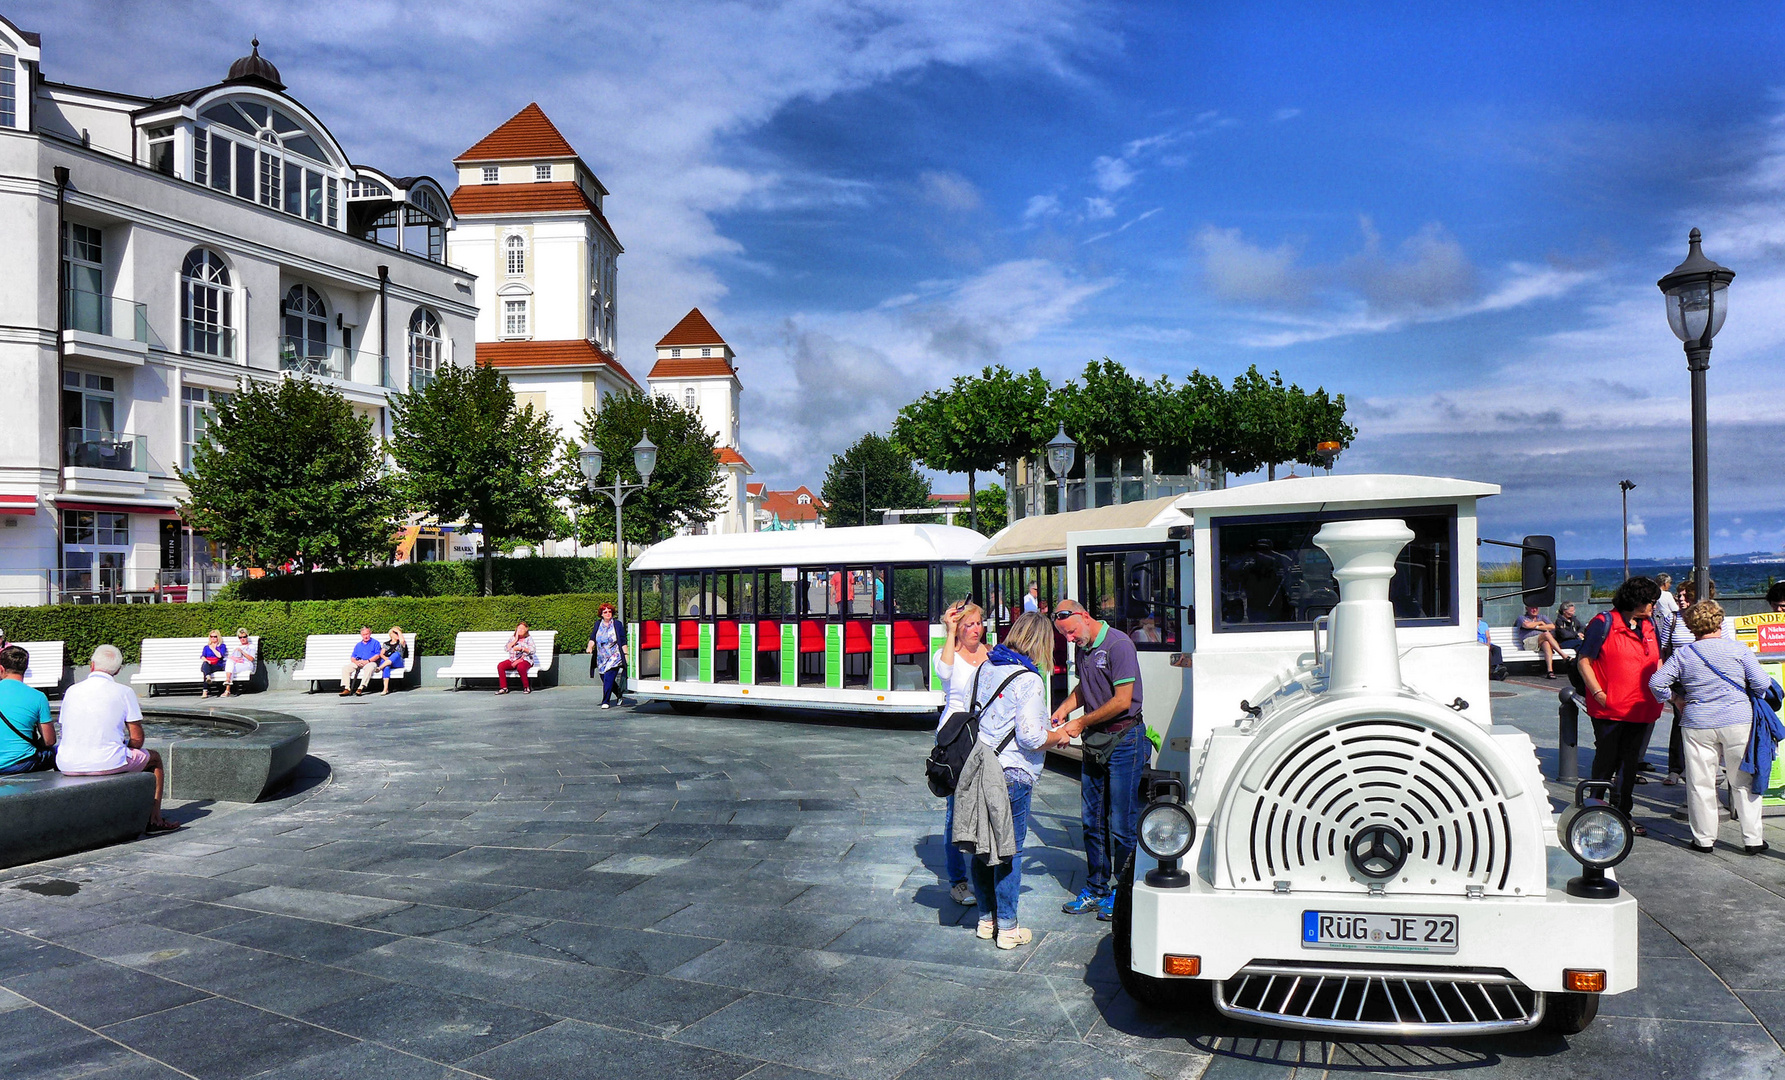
pixel 1391 932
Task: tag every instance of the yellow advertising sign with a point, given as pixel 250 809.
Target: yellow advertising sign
pixel 1764 633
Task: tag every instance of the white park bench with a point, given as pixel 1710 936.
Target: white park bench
pixel 326 654
pixel 48 658
pixel 1506 637
pixel 174 661
pixel 475 654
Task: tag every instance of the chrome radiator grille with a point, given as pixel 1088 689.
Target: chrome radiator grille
pixel 1379 1001
pixel 1338 779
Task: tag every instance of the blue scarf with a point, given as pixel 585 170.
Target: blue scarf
pixel 1004 655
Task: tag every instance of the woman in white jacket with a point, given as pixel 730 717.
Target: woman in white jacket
pixel 963 650
pixel 1022 708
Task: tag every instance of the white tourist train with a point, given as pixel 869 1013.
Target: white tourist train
pixel 1336 838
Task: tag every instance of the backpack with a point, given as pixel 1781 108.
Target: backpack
pixel 956 736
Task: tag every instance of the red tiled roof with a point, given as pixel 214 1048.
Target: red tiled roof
pixel 786 504
pixel 685 367
pixel 753 489
pixel 526 134
pixel 948 500
pixel 694 329
pixel 728 456
pixel 525 354
pixel 472 199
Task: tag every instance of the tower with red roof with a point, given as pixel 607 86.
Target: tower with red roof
pixel 697 369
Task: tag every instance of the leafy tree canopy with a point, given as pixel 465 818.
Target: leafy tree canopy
pixel 467 452
pixel 686 487
pixel 289 472
pixel 994 514
pixel 892 482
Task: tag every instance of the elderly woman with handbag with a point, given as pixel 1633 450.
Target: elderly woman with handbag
pixel 1715 680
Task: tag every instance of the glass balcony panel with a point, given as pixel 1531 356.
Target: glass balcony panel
pixel 308 357
pixel 90 448
pixel 108 316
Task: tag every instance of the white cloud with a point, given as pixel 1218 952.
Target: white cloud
pixel 1638 529
pixel 1112 174
pixel 949 190
pixel 820 379
pixel 1285 114
pixel 1098 208
pixel 1041 206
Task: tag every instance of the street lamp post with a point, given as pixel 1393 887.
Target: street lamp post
pixel 1697 300
pixel 644 459
pixel 1624 487
pixel 1062 452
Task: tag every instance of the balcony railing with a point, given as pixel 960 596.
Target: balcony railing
pixel 205 339
pixel 308 357
pixel 107 316
pixel 89 448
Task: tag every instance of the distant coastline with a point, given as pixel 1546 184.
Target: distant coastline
pixel 1748 573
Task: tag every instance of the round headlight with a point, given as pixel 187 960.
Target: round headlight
pixel 1166 830
pixel 1598 836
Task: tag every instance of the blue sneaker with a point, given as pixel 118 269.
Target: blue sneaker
pixel 1082 904
pixel 1106 908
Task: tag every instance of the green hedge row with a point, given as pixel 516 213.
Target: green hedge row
pixel 512 577
pixel 283 626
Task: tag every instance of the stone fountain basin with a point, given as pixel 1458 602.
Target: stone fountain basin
pixel 225 754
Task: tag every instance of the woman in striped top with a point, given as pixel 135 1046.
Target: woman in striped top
pixel 1711 679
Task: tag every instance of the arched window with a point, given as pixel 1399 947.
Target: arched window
pixel 304 347
pixel 206 322
pixel 517 255
pixel 688 398
pixel 424 348
pixel 264 155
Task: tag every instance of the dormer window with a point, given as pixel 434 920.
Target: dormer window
pixel 542 173
pixel 675 352
pixel 9 92
pixel 258 153
pixel 704 351
pixel 490 174
pixel 161 150
pixel 805 500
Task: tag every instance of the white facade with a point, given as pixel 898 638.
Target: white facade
pixel 531 228
pixel 697 370
pixel 183 281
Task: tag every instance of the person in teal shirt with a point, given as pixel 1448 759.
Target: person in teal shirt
pixel 27 736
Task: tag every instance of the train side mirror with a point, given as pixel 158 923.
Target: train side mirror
pixel 1537 567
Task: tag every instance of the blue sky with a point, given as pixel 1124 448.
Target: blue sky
pixel 1454 215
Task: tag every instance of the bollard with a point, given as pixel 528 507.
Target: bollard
pixel 1567 738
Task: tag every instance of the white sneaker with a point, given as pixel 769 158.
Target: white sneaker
pixel 604 705
pixel 962 894
pixel 1010 939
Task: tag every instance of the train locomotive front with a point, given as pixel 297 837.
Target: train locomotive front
pixel 1359 858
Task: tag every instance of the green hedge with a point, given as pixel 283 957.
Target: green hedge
pixel 283 626
pixel 512 577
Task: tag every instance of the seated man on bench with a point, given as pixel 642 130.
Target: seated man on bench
pixel 102 730
pixel 27 736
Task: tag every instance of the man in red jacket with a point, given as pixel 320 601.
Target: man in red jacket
pixel 1617 655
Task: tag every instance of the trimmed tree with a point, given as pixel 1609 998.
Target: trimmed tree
pixel 686 487
pixel 891 481
pixel 289 473
pixel 467 452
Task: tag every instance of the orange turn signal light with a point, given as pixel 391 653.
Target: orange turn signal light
pixel 1584 982
pixel 1182 965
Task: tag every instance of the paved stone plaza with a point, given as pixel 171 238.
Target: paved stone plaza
pixel 525 887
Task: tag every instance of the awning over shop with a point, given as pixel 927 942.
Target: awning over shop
pixel 19 505
pixel 118 506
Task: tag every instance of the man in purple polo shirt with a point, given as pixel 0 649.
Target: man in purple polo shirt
pixel 1109 692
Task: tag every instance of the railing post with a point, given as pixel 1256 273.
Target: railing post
pixel 1567 738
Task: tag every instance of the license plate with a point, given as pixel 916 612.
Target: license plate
pixel 1377 930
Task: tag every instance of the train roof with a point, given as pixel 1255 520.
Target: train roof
pixel 813 547
pixel 1324 492
pixel 1046 533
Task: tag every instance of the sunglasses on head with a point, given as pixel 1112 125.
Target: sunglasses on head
pixel 1062 616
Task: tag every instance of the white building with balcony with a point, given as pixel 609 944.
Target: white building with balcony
pixel 160 252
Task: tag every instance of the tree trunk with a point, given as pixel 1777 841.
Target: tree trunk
pixel 489 562
pixel 309 581
pixel 1270 471
pixel 972 502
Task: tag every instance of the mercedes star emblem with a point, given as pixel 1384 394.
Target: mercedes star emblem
pixel 1378 851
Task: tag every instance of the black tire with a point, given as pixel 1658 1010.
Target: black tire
pixel 1180 995
pixel 689 708
pixel 1569 1013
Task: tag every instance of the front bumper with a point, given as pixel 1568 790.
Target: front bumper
pixel 1531 939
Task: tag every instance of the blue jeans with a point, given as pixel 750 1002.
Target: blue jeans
pixel 1001 884
pixel 954 860
pixel 1110 808
pixel 608 679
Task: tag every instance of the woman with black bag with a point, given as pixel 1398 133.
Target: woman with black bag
pixel 1714 681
